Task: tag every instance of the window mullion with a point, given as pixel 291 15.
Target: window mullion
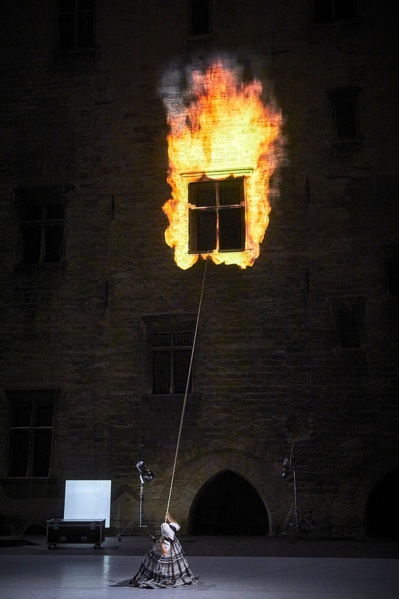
pixel 31 452
pixel 333 11
pixel 172 365
pixel 75 29
pixel 63 225
pixel 42 252
pixel 29 470
pixel 50 467
pixel 76 26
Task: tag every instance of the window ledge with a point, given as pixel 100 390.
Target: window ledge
pixel 75 59
pixel 218 252
pixel 345 147
pixel 43 267
pixel 170 396
pixel 16 487
pixel 359 349
pixel 200 36
pixel 321 24
pixel 348 141
pixel 88 50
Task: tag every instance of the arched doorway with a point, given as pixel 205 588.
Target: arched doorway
pixel 228 505
pixel 382 516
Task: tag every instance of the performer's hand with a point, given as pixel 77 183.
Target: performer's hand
pixel 169 518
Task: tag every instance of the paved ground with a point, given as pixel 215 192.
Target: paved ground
pixel 251 546
pixel 228 567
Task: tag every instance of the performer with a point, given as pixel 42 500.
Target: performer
pixel 165 565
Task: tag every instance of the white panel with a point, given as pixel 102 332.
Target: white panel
pixel 88 500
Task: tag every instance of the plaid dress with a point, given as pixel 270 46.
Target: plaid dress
pixel 164 571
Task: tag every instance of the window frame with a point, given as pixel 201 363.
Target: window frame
pixel 171 327
pixel 76 15
pixel 193 30
pixel 334 7
pixel 352 311
pixel 345 108
pixel 172 351
pixel 37 210
pixel 220 211
pixel 30 454
pixel 392 275
pixel 390 264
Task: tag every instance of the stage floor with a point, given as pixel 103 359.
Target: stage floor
pixel 244 568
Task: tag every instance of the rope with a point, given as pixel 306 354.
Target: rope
pixel 186 392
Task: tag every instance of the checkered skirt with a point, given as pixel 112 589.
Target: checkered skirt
pixel 164 571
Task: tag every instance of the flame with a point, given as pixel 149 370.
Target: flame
pixel 221 128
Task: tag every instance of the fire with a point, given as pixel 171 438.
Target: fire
pixel 220 128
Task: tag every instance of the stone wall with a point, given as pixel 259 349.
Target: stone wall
pixel 268 367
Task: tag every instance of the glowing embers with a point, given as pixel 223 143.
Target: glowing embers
pixel 223 148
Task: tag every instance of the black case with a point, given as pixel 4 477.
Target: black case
pixel 75 531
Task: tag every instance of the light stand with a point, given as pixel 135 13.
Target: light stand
pixel 288 469
pixel 146 476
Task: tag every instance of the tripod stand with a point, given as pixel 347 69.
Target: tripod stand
pixel 145 476
pixel 289 468
pixel 142 519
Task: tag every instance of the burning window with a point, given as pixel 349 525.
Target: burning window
pixel 41 226
pixel 224 132
pixel 345 113
pixel 216 216
pixel 75 25
pixel 30 432
pixel 327 11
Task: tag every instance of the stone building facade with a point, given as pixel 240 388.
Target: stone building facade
pixel 296 355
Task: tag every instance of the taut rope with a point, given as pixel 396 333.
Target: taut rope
pixel 186 392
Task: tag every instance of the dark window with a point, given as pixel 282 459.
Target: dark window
pixel 345 109
pixel 392 274
pixel 350 318
pixel 200 17
pixel 327 11
pixel 171 356
pixel 41 226
pixel 348 324
pixel 76 24
pixel 30 432
pixel 216 216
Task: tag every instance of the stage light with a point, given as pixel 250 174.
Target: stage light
pixel 146 475
pixel 286 463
